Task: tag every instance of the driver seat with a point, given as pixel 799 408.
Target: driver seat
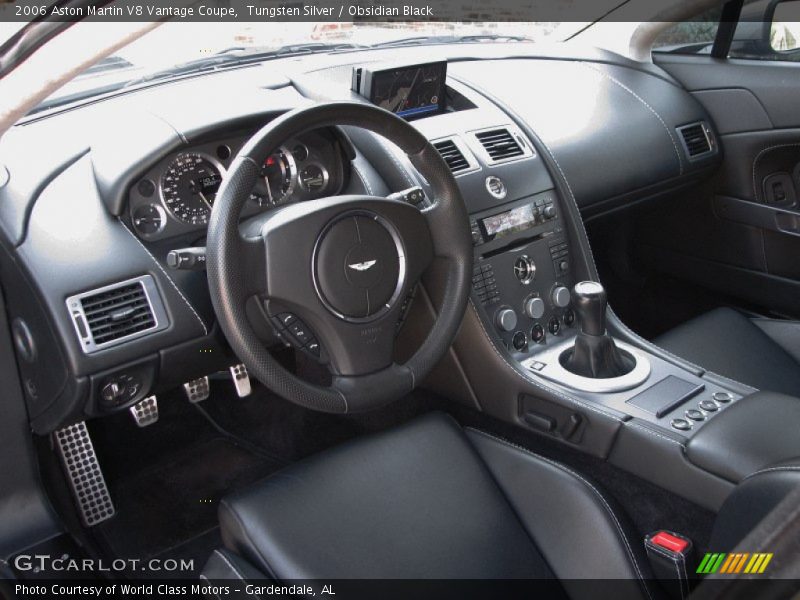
pixel 428 500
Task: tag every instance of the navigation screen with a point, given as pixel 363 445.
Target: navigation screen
pixel 410 90
pixel 512 221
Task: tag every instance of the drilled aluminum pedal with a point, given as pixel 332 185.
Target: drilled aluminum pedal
pixel 84 474
pixel 241 380
pixel 197 390
pixel 145 412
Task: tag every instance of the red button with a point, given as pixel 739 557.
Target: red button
pixel 669 542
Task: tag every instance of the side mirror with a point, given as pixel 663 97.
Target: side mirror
pixel 784 33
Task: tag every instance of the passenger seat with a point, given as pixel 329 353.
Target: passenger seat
pixel 762 353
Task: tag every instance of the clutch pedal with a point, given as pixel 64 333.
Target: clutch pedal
pixel 84 474
pixel 241 380
pixel 145 412
pixel 197 390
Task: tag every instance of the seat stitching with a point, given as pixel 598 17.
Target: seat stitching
pixel 770 470
pixel 758 157
pixel 646 104
pixel 586 483
pixel 174 285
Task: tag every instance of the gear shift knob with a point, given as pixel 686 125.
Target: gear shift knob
pixel 590 302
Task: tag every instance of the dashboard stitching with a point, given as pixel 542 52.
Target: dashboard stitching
pixel 644 102
pixel 363 179
pixel 583 480
pixel 758 157
pixel 174 285
pixel 533 381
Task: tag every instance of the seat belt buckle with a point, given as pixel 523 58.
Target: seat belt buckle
pixel 670 554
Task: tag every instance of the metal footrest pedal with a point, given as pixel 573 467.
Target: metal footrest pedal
pixel 241 380
pixel 145 412
pixel 197 390
pixel 83 472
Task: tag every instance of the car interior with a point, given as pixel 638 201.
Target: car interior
pixel 425 311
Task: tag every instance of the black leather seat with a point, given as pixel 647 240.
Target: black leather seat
pixel 761 353
pixel 429 500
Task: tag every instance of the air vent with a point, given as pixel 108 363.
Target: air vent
pixel 452 155
pixel 697 140
pixel 116 313
pixel 500 144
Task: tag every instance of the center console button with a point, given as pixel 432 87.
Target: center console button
pixel 506 319
pixel 534 308
pixel 519 341
pixel 681 424
pixel 695 415
pixel 709 405
pixel 569 317
pixel 537 333
pixel 554 326
pixel 560 297
pixel 723 397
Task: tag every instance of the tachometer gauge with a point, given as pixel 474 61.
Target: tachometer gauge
pixel 279 173
pixel 189 187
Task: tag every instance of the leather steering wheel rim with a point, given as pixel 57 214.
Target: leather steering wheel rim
pixel 447 221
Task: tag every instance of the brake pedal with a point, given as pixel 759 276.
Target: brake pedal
pixel 197 390
pixel 145 412
pixel 241 380
pixel 84 474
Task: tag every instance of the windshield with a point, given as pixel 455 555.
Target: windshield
pixel 165 51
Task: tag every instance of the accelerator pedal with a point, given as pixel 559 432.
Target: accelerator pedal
pixel 241 380
pixel 83 472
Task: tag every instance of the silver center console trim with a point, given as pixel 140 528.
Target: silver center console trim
pixel 548 365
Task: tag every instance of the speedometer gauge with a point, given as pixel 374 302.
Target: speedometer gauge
pixel 189 187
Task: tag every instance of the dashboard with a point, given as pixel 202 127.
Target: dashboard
pixel 84 212
pixel 175 196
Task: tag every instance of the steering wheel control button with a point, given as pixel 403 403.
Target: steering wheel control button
pixel 681 424
pixel 286 319
pixel 506 319
pixel 722 397
pixel 709 405
pixel 313 347
pixel 357 267
pixel 695 415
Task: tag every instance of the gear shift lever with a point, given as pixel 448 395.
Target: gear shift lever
pixel 595 354
pixel 590 302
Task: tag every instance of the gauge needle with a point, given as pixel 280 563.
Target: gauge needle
pixel 208 204
pixel 269 191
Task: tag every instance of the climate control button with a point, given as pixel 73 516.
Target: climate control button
pixel 537 333
pixel 534 308
pixel 560 297
pixel 506 319
pixel 520 341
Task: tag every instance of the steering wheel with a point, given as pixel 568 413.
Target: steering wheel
pixel 342 265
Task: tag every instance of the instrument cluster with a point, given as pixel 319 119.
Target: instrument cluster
pixel 177 194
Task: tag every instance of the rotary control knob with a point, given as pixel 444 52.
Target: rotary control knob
pixel 560 297
pixel 506 319
pixel 534 308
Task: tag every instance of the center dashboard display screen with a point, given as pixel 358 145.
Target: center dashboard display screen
pixel 511 221
pixel 409 90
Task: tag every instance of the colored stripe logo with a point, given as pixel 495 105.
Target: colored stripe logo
pixel 731 564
